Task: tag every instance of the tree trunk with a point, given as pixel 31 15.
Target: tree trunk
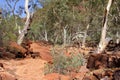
pixel 24 31
pixel 46 34
pixel 103 42
pixel 1 40
pixel 85 36
pixel 118 37
pixel 64 35
pixel 46 37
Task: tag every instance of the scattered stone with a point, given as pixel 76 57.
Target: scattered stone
pixel 1 65
pixel 15 47
pixel 91 77
pixel 17 50
pixel 109 74
pixel 97 61
pixel 7 55
pixel 35 55
pixel 56 76
pixel 116 75
pixel 105 78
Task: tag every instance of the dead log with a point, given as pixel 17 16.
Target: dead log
pixel 97 61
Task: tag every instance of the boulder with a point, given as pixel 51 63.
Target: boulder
pixel 97 61
pixel 16 49
pixel 116 75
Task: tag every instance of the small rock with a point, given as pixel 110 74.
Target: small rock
pixel 1 65
pixel 56 76
pixel 116 75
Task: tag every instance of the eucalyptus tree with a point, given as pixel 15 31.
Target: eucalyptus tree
pixel 67 17
pixel 14 12
pixel 114 21
pixel 58 17
pixel 27 23
pixel 103 42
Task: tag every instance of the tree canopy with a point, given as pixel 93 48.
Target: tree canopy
pixel 49 22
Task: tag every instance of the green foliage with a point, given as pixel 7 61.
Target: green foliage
pixel 75 15
pixel 64 64
pixel 114 20
pixel 9 30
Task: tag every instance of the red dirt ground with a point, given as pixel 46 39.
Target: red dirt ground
pixel 27 69
pixel 33 69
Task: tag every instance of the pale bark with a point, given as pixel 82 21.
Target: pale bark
pixel 103 43
pixel 65 35
pixel 85 36
pixel 118 38
pixel 24 31
pixel 46 37
pixel 45 31
pixel 73 13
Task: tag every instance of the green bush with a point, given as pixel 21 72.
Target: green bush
pixel 64 64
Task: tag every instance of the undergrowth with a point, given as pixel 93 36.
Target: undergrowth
pixel 64 64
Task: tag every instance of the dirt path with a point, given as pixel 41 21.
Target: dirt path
pixel 27 69
pixel 33 69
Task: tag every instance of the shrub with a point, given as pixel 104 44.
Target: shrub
pixel 64 64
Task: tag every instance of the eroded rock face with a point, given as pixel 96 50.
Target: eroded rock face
pixel 40 51
pixel 13 46
pixel 97 61
pixel 101 74
pixel 116 75
pixel 106 63
pixel 113 46
pixel 17 50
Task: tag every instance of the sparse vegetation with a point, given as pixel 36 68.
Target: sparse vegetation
pixel 71 28
pixel 64 64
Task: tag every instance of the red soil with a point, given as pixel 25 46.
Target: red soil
pixel 33 69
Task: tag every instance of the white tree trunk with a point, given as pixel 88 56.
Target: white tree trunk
pixel 64 35
pixel 45 31
pixel 103 43
pixel 46 35
pixel 118 37
pixel 24 31
pixel 85 36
